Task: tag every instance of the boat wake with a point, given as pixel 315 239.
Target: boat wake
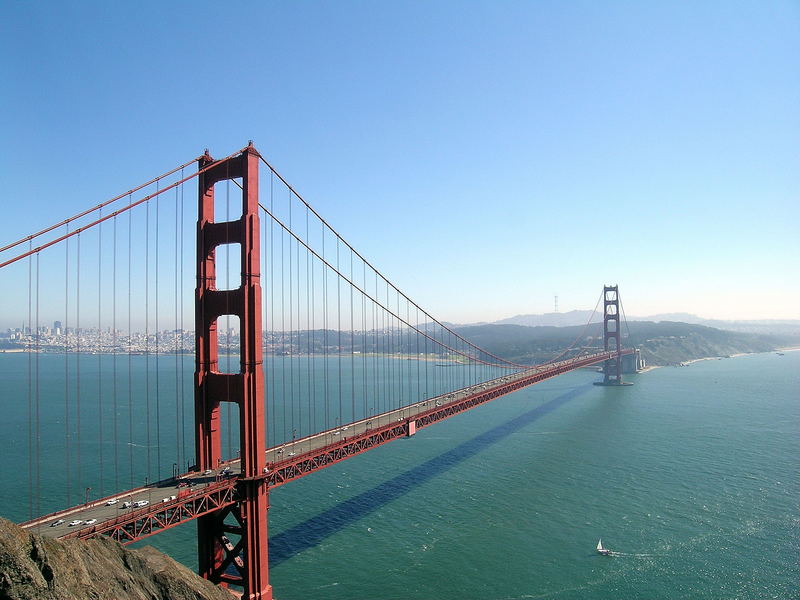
pixel 607 552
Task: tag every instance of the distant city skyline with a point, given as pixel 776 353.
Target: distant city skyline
pixel 485 157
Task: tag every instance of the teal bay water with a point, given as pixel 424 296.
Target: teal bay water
pixel 690 475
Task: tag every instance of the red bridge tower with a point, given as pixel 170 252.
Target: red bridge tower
pixel 612 369
pixel 245 563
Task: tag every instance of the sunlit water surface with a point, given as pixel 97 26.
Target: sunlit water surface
pixel 690 476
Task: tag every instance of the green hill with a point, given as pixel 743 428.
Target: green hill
pixel 662 343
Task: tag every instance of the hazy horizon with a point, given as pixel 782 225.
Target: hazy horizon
pixel 486 157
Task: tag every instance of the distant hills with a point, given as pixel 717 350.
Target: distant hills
pixel 580 317
pixel 661 343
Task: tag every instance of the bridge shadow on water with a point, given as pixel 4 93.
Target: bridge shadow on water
pixel 311 532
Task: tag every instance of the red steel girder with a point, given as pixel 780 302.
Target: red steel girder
pixel 138 524
pixel 222 495
pixel 304 464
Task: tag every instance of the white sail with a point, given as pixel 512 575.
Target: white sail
pixel 600 544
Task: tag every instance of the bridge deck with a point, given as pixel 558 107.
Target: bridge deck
pixel 175 501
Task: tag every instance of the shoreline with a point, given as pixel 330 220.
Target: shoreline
pixel 686 363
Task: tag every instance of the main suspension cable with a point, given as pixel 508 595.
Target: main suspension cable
pixel 93 209
pixel 580 335
pixel 389 311
pixel 378 273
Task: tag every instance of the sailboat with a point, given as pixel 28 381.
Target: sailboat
pixel 601 550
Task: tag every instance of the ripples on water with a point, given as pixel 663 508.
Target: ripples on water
pixel 690 477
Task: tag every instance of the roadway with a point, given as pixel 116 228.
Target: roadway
pixel 173 492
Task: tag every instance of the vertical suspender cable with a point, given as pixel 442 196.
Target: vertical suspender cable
pixel 67 434
pixel 398 351
pixel 298 339
pixel 310 374
pixel 100 349
pixel 382 351
pixel 182 334
pixel 265 325
pixel 36 403
pixel 273 362
pixel 339 327
pixel 378 396
pixel 147 331
pixel 291 326
pixel 352 349
pixel 130 354
pixel 114 355
pixel 364 337
pixel 78 334
pixel 375 349
pixel 408 352
pixel 29 345
pixel 284 351
pixel 387 349
pixel 158 347
pixel 419 379
pixel 313 312
pixel 298 342
pixel 427 359
pixel 176 334
pixel 325 333
pixel 283 338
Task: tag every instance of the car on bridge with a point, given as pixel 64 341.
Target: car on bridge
pixel 140 503
pixel 57 523
pixel 112 502
pixel 90 522
pixel 75 523
pixel 127 504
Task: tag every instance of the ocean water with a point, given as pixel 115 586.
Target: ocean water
pixel 691 476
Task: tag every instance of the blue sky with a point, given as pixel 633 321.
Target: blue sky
pixel 485 156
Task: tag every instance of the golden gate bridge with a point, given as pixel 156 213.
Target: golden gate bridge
pixel 352 363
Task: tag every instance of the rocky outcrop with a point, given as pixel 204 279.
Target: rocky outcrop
pixel 35 567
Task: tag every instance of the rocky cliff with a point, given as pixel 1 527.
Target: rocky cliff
pixel 34 567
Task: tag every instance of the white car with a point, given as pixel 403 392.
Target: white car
pixel 207 472
pixel 57 523
pixel 75 523
pixel 112 502
pixel 127 504
pixel 140 503
pixel 90 522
